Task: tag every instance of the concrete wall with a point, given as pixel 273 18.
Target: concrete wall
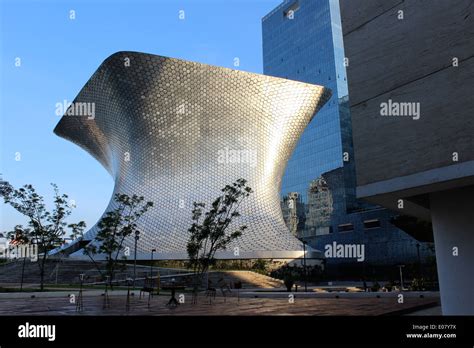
pixel 410 60
pixel 418 51
pixel 453 222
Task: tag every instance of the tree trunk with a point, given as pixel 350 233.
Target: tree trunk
pixel 110 268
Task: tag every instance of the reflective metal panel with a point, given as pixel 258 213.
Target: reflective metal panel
pixel 177 132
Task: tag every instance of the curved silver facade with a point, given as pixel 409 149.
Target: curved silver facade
pixel 177 132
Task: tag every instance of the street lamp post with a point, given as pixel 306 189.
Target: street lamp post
pixel 151 264
pixel 419 259
pixel 127 305
pixel 22 272
pixel 401 277
pixel 304 265
pixel 137 237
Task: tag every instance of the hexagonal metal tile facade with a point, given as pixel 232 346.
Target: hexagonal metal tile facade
pixel 177 132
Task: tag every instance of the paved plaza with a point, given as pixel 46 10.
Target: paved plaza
pixel 59 303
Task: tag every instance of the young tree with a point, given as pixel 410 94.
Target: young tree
pixel 114 227
pixel 47 228
pixel 208 231
pixel 78 233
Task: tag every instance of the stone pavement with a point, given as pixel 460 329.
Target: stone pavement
pixel 428 311
pixel 59 304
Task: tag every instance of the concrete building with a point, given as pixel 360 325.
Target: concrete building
pixel 410 74
pixel 177 132
pixel 302 40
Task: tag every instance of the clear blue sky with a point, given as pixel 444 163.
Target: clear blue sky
pixel 58 55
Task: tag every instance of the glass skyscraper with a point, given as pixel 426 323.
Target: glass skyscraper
pixel 302 40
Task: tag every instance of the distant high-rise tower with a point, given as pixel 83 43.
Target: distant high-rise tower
pixel 320 207
pixel 293 212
